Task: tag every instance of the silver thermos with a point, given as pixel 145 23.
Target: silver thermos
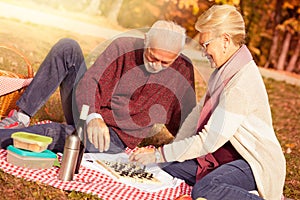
pixel 70 157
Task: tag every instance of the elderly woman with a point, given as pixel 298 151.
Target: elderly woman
pixel 227 145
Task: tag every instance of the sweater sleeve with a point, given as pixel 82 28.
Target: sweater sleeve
pixel 96 86
pixel 222 125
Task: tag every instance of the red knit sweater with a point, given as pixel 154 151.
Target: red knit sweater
pixel 129 98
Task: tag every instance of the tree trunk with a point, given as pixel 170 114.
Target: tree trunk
pixel 242 8
pixel 114 11
pixel 273 51
pixel 284 51
pixel 293 61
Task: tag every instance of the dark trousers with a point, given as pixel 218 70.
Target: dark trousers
pixel 230 181
pixel 62 68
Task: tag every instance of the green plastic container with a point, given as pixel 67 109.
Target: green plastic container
pixel 31 141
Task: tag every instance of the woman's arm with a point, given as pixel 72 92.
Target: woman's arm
pixel 222 125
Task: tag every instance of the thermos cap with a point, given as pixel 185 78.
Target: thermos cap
pixel 72 142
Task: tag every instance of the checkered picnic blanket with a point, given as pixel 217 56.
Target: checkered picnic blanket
pixel 91 181
pixel 8 84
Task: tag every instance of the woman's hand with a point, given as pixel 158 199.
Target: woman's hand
pixel 98 134
pixel 143 156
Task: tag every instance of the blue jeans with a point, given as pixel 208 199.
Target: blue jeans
pixel 228 182
pixel 63 67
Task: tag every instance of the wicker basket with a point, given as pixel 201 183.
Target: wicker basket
pixel 8 101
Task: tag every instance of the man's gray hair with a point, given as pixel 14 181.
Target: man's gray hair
pixel 166 35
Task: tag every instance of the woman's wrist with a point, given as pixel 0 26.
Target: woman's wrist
pixel 159 155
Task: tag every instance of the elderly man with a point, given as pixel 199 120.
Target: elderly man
pixel 134 84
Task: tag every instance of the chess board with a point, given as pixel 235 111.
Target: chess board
pixel 128 171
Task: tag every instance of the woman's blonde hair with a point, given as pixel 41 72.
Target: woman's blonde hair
pixel 221 19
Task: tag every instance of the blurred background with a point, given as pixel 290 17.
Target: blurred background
pixel 273 26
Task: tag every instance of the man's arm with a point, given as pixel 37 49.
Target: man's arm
pixel 96 86
pixel 95 89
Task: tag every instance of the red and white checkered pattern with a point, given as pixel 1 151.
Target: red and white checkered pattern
pixel 91 181
pixel 8 84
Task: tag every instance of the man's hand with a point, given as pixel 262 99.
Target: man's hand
pixel 143 156
pixel 98 134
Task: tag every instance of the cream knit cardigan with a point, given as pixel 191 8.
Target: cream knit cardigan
pixel 243 117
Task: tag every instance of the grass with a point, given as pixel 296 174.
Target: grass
pixel 285 104
pixel 35 41
pixel 17 188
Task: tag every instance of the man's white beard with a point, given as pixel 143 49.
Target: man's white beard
pixel 150 68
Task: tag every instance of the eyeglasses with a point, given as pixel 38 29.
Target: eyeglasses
pixel 205 44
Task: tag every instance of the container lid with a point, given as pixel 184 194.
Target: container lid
pixel 44 154
pixel 32 138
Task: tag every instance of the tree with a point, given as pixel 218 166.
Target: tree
pixel 185 13
pixel 273 51
pixel 291 25
pixel 292 66
pixel 284 51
